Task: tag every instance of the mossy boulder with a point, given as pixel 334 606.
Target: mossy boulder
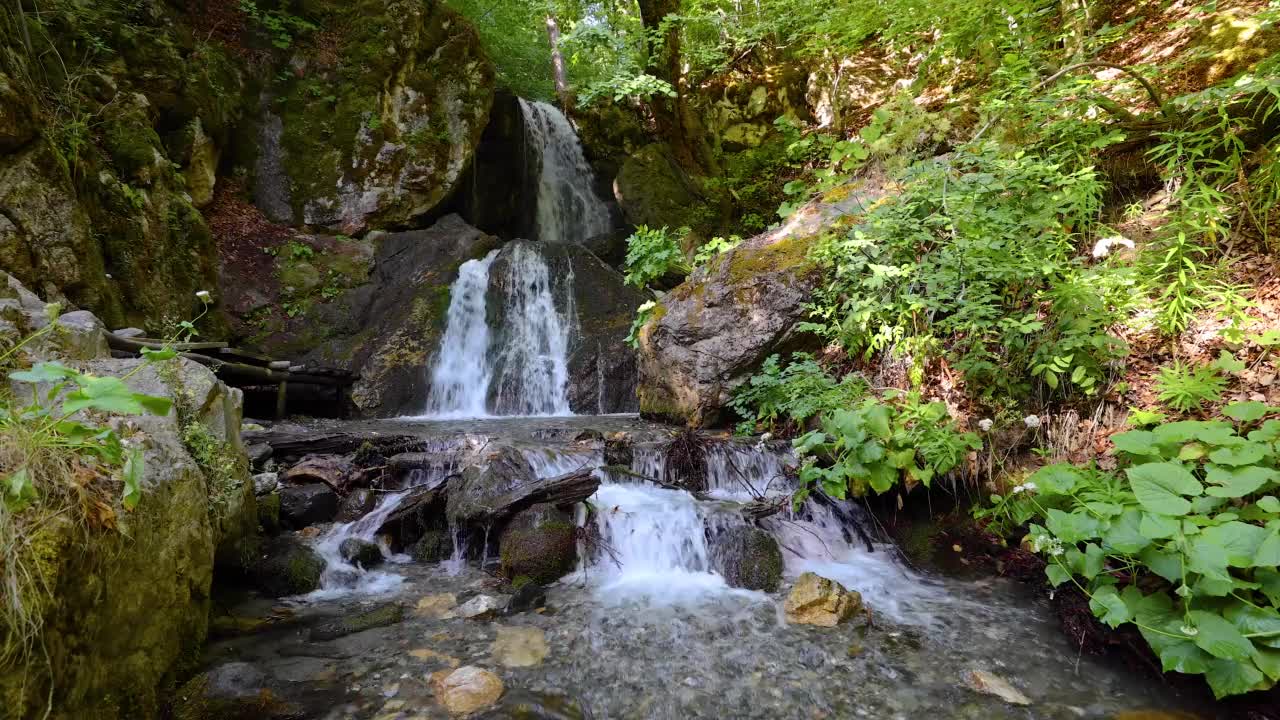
pixel 538 545
pixel 232 691
pixel 381 616
pixel 361 553
pixel 708 335
pixel 286 567
pixel 378 133
pixel 653 190
pixel 748 558
pixel 433 546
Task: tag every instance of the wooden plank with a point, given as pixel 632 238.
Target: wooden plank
pixel 118 343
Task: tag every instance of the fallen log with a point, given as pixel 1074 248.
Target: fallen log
pixel 293 444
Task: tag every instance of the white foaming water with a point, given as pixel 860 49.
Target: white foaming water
pixel 568 208
pixel 654 547
pixel 460 379
pixel 736 471
pixel 530 369
pixel 342 578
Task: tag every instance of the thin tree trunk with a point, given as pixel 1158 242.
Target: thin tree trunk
pixel 557 64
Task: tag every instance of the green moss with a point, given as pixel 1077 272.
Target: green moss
pixel 791 253
pixel 539 544
pixel 131 144
pixel 269 513
pixel 378 617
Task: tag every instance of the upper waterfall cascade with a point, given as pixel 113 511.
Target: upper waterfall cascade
pixel 513 359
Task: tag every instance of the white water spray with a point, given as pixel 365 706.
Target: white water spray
pixel 568 208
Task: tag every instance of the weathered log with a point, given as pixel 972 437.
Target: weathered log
pixel 292 444
pixel 422 510
pixel 332 470
pixel 137 346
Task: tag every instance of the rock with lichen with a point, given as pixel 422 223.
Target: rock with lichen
pixel 815 600
pixel 538 544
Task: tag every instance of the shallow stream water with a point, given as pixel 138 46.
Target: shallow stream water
pixel 652 631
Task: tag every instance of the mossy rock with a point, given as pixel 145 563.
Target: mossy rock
pixel 748 558
pixel 383 616
pixel 539 545
pixel 288 567
pixel 434 546
pixel 233 691
pixel 269 513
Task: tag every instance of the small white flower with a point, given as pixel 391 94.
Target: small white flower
pixel 766 437
pixel 1188 630
pixel 1019 488
pixel 1028 486
pixel 1104 246
pixel 204 296
pixel 986 424
pixel 1032 421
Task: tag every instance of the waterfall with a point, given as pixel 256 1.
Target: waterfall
pixel 568 208
pixel 460 379
pixel 510 324
pixel 530 365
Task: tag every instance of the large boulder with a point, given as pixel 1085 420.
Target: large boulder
pixel 654 190
pixel 124 599
pixel 599 308
pixel 286 566
pixel 706 337
pixel 748 557
pixel 303 505
pixel 538 545
pixel 376 132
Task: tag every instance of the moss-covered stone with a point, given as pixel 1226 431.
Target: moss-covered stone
pixel 539 545
pixel 433 546
pixel 287 567
pixel 383 616
pixel 749 558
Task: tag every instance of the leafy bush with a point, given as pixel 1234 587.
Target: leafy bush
pixel 881 444
pixel 794 393
pixel 1184 545
pixel 976 258
pixel 653 253
pixel 1183 387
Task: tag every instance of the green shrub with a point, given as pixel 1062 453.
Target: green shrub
pixel 653 253
pixel 880 445
pixel 1184 544
pixel 1183 387
pixel 794 393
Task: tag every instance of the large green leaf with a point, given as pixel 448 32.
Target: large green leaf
pixel 111 395
pixel 1158 527
pixel 1165 564
pixel 1057 479
pixel 1268 661
pixel 1246 454
pixel 133 469
pixel 1218 637
pixel 1136 442
pixel 18 490
pixel 1262 625
pixel 1269 578
pixel 1239 541
pixel 1246 411
pixel 1212 432
pixel 1228 482
pixel 1268 553
pixel 1125 535
pixel 44 372
pixel 1160 487
pixel 1072 527
pixel 1233 677
pixel 1108 607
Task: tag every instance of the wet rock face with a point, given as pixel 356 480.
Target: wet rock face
pixel 468 689
pixel 815 600
pixel 232 691
pixel 356 504
pixel 708 335
pixel 361 553
pixel 391 124
pixel 538 545
pixel 748 558
pixel 653 191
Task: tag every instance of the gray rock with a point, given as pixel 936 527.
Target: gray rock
pixel 433 546
pixel 259 454
pixel 129 332
pixel 303 505
pixel 265 483
pixel 707 336
pixel 361 553
pixel 747 557
pixel 480 607
pixel 654 191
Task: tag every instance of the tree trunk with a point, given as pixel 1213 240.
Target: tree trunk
pixel 557 65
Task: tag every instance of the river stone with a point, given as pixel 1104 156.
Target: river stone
pixel 706 337
pixel 287 567
pixel 381 616
pixel 519 646
pixel 231 691
pixel 521 704
pixel 361 553
pixel 467 689
pixel 480 607
pixel 434 546
pixel 992 684
pixel 303 505
pixel 748 557
pixel 815 600
pixel 538 545
pixel 438 606
pixel 527 596
pixel 356 504
pixel 265 483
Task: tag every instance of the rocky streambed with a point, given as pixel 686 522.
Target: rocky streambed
pixel 651 620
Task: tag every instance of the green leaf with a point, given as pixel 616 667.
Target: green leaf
pixel 1268 553
pixel 1136 442
pixel 1228 677
pixel 877 421
pixel 1269 432
pixel 1269 503
pixel 1246 454
pixel 44 372
pixel 1269 578
pixel 1056 574
pixel 154 355
pixel 1238 482
pixel 19 491
pixel 1125 533
pixel 1268 661
pixel 1095 560
pixel 882 477
pixel 1158 527
pixel 1166 565
pixel 1108 607
pixel 1245 411
pixel 1072 527
pixel 1213 432
pixel 1159 487
pixel 1058 479
pixel 1239 541
pixel 133 471
pixel 1218 637
pixel 1260 624
pixel 1228 363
